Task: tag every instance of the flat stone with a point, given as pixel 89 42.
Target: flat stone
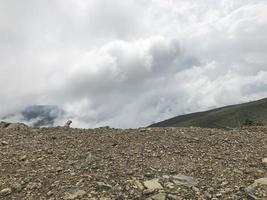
pixel 148 191
pixel 75 194
pixel 262 181
pixel 160 196
pixel 153 184
pixel 181 179
pixel 264 160
pixel 5 192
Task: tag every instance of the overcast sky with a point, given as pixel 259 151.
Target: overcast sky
pixel 129 63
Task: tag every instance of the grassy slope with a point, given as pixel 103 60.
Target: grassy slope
pixel 229 116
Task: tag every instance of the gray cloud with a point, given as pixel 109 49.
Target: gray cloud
pixel 130 63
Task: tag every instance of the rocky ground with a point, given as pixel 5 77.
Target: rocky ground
pixel 152 163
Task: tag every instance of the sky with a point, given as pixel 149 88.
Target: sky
pixel 131 63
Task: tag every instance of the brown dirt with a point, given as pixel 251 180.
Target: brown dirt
pixel 104 163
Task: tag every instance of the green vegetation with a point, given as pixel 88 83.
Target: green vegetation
pixel 235 116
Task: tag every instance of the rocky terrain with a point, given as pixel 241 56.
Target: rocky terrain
pixel 146 163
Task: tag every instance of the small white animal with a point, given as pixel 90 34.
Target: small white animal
pixel 67 124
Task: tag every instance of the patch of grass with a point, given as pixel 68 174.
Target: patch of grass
pixel 235 116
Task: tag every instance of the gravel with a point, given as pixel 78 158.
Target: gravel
pixel 147 163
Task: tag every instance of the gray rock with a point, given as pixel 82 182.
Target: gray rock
pixel 160 196
pixel 173 197
pixel 207 195
pixel 50 193
pixel 153 184
pixel 17 187
pixel 32 186
pixel 5 192
pixel 23 158
pixel 170 185
pixel 4 143
pixel 139 185
pixel 74 194
pixel 103 186
pixel 181 179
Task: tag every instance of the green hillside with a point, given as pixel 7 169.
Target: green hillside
pixel 252 113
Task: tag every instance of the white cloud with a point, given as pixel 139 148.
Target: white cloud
pixel 130 63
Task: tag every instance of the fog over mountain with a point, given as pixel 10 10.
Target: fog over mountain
pixel 37 115
pixel 130 63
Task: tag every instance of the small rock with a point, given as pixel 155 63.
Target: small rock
pixel 224 183
pixel 4 143
pixel 80 182
pixel 148 191
pixel 23 158
pixel 50 193
pixel 153 184
pixel 218 195
pixel 32 186
pixel 160 196
pixel 17 187
pixel 139 185
pixel 5 192
pixel 74 194
pixel 166 176
pixel 173 197
pixel 195 189
pixel 59 169
pixel 170 185
pixel 207 195
pixel 148 175
pixel 264 160
pixel 103 186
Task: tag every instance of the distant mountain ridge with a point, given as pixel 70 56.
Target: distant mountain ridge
pixel 245 114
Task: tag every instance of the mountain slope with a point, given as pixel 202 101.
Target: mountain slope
pixel 252 113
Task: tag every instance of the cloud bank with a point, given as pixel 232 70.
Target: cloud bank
pixel 131 63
